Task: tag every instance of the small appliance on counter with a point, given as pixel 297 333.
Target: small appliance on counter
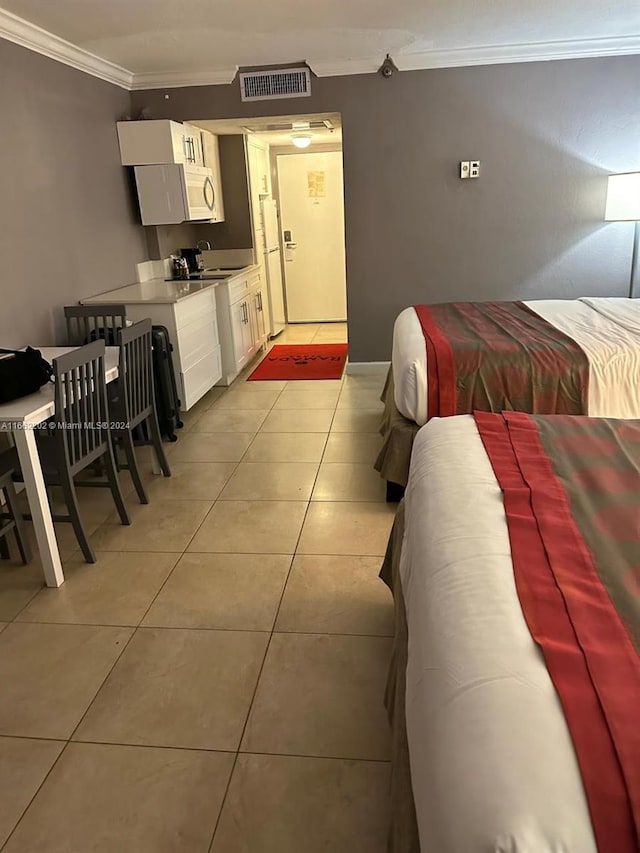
pixel 193 258
pixel 179 268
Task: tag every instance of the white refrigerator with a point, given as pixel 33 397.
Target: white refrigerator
pixel 272 266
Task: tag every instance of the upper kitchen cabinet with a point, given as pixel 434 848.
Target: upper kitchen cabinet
pixel 259 177
pixel 158 142
pixel 193 145
pixel 259 169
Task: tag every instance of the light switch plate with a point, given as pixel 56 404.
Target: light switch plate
pixel 469 169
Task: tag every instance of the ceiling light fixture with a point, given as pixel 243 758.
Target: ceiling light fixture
pixel 301 140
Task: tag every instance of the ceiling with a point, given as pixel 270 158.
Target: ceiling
pixel 265 128
pixel 166 42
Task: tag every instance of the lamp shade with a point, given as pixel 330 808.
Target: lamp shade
pixel 623 197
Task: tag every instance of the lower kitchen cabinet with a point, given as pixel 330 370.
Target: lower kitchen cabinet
pixel 241 322
pixel 258 316
pixel 193 330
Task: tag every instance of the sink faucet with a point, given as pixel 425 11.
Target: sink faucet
pixel 203 245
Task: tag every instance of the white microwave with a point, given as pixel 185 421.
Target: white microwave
pixel 175 193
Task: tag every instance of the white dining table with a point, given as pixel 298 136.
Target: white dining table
pixel 19 418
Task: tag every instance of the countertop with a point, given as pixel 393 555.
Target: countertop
pixel 159 291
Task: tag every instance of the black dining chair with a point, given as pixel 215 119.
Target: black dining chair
pixel 86 323
pixel 77 436
pixel 11 518
pixel 132 405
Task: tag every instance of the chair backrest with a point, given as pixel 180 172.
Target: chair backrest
pixel 135 372
pixel 86 323
pixel 81 419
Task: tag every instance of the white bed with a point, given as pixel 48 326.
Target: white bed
pixel 607 329
pixel 492 764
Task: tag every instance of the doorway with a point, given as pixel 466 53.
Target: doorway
pixel 311 194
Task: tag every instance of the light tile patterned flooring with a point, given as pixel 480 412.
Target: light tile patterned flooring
pixel 215 681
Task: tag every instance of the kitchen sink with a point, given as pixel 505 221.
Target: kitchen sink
pixel 204 276
pixel 226 269
pixel 212 274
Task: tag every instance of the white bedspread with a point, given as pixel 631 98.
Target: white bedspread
pixel 607 329
pixel 492 763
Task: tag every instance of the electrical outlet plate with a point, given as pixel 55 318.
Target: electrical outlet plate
pixel 469 169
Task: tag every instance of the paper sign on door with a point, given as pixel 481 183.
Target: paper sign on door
pixel 316 183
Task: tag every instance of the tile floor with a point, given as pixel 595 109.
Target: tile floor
pixel 215 681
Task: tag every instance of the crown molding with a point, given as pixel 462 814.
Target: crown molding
pixel 177 79
pixel 487 55
pixel 22 32
pixel 544 51
pixel 343 67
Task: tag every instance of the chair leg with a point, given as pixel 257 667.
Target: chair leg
pixel 20 530
pixel 4 548
pixel 114 484
pixel 116 458
pixel 156 440
pixel 71 500
pixel 132 462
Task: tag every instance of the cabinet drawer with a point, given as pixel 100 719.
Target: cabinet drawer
pixel 238 289
pixel 191 309
pixel 253 280
pixel 197 339
pixel 199 378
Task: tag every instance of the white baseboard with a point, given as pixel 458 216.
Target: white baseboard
pixel 354 368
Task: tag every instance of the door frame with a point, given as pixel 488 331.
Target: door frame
pixel 276 151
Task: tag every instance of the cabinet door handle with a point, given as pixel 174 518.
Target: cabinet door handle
pixel 209 188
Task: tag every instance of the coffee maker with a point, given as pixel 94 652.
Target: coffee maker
pixel 194 259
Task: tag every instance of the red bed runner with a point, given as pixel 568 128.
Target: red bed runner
pixel 492 356
pixel 571 491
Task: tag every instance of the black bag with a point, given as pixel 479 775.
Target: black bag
pixel 22 372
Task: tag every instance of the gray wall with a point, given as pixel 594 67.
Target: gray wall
pixel 547 134
pixel 68 222
pixel 235 232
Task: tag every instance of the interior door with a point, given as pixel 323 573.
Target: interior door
pixel 312 210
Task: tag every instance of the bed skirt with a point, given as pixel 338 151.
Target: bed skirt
pixel 403 832
pixel 398 435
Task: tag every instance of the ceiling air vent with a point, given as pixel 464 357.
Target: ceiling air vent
pixel 278 83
